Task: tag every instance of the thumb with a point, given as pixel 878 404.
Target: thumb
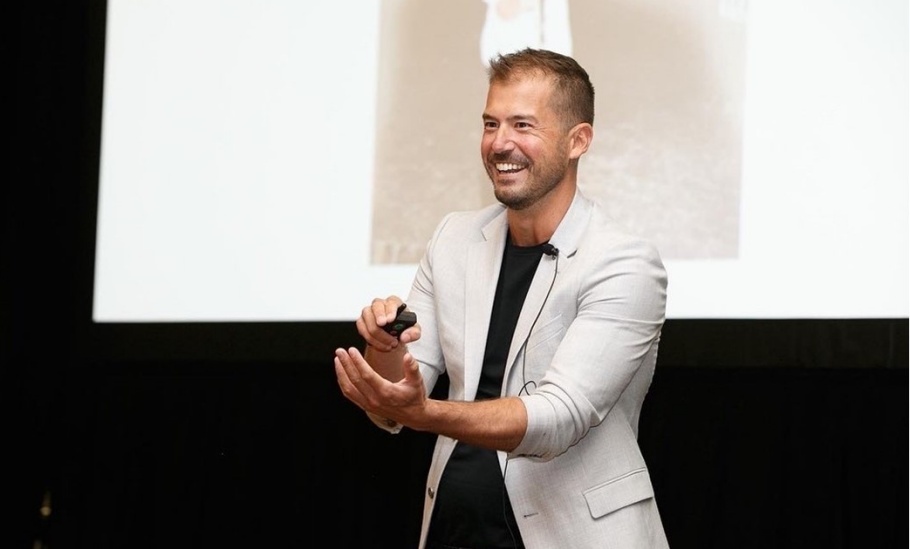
pixel 411 369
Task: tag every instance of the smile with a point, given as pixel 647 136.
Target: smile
pixel 506 167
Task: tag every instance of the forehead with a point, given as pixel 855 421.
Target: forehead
pixel 524 95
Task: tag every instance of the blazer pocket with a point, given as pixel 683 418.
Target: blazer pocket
pixel 619 492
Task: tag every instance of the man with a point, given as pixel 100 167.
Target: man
pixel 548 359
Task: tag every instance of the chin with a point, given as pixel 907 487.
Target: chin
pixel 510 200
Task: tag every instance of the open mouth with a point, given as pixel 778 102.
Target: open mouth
pixel 508 167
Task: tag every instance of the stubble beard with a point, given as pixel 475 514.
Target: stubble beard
pixel 536 186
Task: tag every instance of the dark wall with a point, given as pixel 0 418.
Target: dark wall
pixel 764 433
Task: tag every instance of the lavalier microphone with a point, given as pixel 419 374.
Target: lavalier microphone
pixel 528 386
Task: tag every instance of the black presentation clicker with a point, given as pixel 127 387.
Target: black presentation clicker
pixel 403 321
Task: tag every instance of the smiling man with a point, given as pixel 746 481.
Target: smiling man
pixel 548 358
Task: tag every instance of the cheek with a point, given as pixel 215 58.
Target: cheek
pixel 485 146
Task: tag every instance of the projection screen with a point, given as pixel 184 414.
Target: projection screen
pixel 287 161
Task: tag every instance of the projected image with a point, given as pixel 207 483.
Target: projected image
pixel 290 162
pixel 669 81
pixel 510 25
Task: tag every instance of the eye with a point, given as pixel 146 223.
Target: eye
pixel 523 125
pixel 490 125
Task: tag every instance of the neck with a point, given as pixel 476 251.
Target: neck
pixel 537 223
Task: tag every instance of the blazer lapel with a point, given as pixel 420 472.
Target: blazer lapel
pixel 565 239
pixel 483 266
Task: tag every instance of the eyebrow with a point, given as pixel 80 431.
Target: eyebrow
pixel 513 118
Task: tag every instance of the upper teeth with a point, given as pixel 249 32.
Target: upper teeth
pixel 503 167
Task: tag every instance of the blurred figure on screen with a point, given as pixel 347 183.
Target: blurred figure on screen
pixel 511 25
pixel 545 315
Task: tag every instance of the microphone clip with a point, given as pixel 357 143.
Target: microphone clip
pixel 551 250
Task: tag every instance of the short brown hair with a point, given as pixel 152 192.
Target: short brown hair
pixel 574 97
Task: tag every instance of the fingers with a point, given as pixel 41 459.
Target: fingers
pixel 380 311
pixel 410 335
pixel 371 392
pixel 373 317
pixel 355 377
pixel 385 310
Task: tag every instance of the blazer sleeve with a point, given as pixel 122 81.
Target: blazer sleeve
pixel 620 299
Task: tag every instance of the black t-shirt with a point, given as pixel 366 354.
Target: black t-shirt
pixel 472 507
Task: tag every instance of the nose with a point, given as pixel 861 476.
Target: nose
pixel 501 140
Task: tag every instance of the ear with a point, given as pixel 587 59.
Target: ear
pixel 580 138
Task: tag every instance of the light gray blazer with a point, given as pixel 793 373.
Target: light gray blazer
pixel 577 479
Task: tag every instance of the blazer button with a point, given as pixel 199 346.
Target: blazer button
pixel 431 492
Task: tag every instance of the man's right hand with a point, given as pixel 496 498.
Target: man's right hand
pixel 374 317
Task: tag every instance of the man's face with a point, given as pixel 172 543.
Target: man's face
pixel 524 147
